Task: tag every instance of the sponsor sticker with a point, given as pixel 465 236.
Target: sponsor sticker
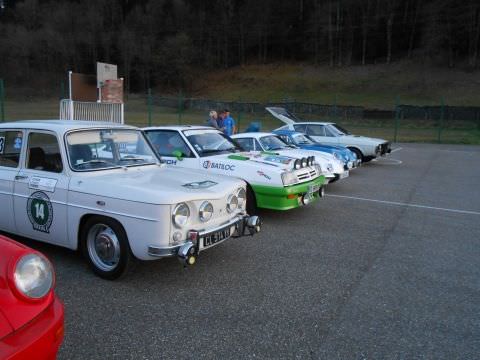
pixel 40 211
pixel 200 184
pixel 170 162
pixel 261 173
pixel 2 144
pixel 279 159
pixel 39 183
pixel 17 143
pixel 207 164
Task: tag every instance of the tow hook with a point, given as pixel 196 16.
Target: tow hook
pixel 254 225
pixel 187 254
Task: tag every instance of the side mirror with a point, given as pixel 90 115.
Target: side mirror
pixel 178 154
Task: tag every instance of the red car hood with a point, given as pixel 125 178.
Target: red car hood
pixel 5 327
pixel 14 312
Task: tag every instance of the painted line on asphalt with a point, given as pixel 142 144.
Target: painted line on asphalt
pixel 396 149
pixel 405 204
pixel 388 161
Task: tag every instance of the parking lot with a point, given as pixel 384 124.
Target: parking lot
pixel 387 265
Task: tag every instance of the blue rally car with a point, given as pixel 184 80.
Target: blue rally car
pixel 303 141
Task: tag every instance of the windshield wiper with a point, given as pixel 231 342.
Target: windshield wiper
pixel 210 151
pixel 93 161
pixel 131 158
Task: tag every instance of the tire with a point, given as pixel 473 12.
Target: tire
pixel 358 153
pixel 251 202
pixel 103 233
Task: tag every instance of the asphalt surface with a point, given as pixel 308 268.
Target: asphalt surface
pixel 347 277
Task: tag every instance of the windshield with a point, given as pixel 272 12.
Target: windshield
pixel 211 143
pixel 338 130
pixel 270 143
pixel 108 148
pixel 302 139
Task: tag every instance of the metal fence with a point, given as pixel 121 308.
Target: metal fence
pixel 401 122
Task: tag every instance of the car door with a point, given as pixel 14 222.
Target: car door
pixel 40 190
pixel 167 143
pixel 318 133
pixel 10 150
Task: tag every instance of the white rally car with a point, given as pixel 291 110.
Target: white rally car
pixel 365 148
pixel 100 187
pixel 333 168
pixel 274 181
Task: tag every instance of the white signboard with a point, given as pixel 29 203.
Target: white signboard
pixel 105 72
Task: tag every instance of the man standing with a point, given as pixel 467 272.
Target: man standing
pixel 228 124
pixel 212 120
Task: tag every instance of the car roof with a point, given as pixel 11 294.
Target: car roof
pixel 179 127
pixel 61 125
pixel 255 135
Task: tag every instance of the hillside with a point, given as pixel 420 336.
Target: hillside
pixel 373 86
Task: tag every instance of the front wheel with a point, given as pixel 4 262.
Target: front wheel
pixel 251 202
pixel 358 153
pixel 105 246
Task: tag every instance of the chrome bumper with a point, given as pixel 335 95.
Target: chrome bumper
pixel 244 225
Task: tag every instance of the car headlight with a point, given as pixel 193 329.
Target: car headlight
pixel 33 276
pixel 181 214
pixel 337 156
pixel 289 178
pixel 330 167
pixel 232 203
pixel 304 162
pixel 310 160
pixel 205 211
pixel 297 164
pixel 242 198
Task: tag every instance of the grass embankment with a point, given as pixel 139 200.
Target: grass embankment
pixel 370 86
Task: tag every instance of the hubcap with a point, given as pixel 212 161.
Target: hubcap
pixel 103 247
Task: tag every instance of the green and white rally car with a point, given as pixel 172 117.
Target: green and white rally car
pixel 273 181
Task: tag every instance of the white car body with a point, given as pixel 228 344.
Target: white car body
pixel 139 195
pixel 331 167
pixel 330 133
pixel 264 173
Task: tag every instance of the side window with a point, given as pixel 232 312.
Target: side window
pixel 245 143
pixel 10 147
pixel 166 142
pixel 328 132
pixel 286 139
pixel 258 147
pixel 43 153
pixel 300 128
pixel 316 130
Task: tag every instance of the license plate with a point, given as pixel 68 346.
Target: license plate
pixel 344 175
pixel 215 237
pixel 313 189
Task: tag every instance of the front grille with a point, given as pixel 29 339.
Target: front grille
pixel 384 148
pixel 304 175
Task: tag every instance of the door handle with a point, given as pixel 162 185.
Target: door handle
pixel 21 177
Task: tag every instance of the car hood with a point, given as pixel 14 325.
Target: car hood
pixel 358 139
pixel 155 184
pixel 274 160
pixel 5 327
pixel 280 114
